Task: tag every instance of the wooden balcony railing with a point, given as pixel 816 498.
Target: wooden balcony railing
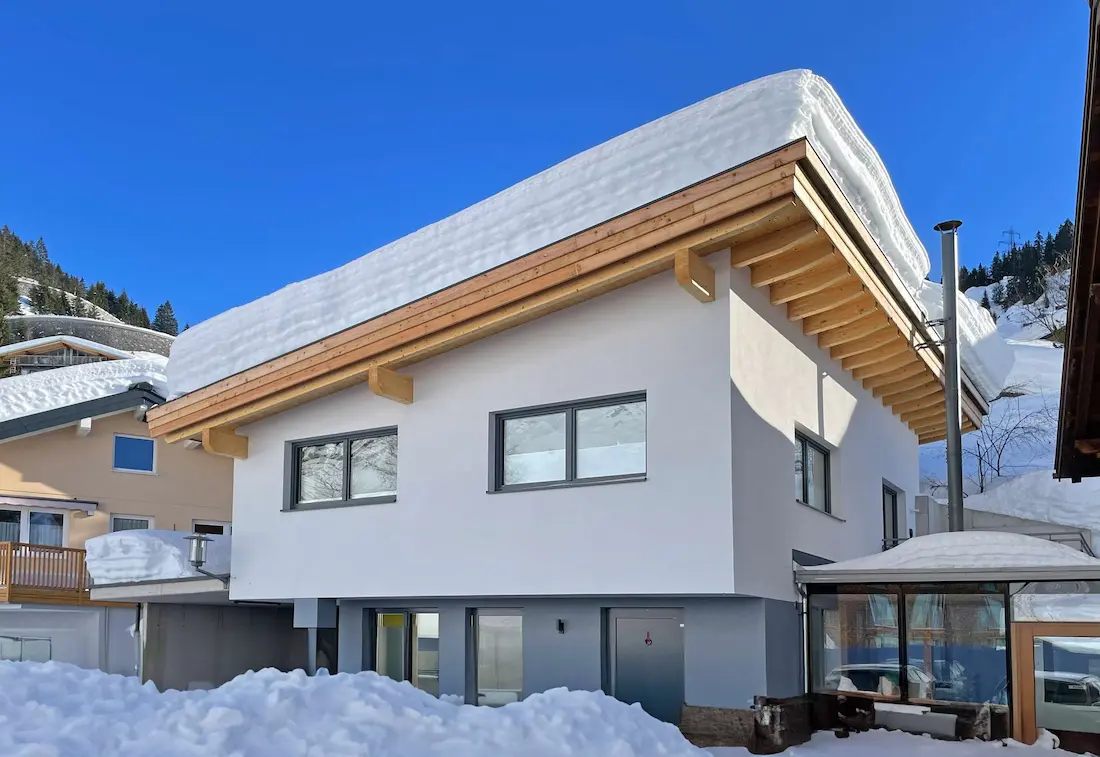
pixel 37 573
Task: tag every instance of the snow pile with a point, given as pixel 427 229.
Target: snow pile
pixel 967 550
pixel 1039 496
pixel 620 175
pixel 60 387
pixel 56 709
pixel 149 555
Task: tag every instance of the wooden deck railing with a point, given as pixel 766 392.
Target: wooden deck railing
pixel 37 573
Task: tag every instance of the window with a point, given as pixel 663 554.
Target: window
pixel 811 473
pixel 32 527
pixel 407 648
pixel 889 517
pixel 130 523
pixel 17 649
pixel 593 440
pixel 134 454
pixel 211 527
pixel 357 469
pixel 499 656
pixel 854 645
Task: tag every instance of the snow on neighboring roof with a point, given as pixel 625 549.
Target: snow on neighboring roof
pixel 58 709
pixel 149 555
pixel 1039 496
pixel 946 556
pixel 60 387
pixel 613 178
pixel 72 341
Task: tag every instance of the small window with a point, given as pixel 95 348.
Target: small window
pixel 211 527
pixel 129 523
pixel 356 469
pixel 134 454
pixel 594 440
pixel 46 529
pixel 811 473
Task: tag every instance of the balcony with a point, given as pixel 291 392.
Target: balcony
pixel 41 574
pixel 30 363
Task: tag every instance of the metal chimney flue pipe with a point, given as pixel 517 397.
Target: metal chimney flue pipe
pixel 949 248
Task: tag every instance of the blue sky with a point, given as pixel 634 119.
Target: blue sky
pixel 212 152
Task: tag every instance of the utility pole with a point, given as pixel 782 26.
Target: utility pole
pixel 949 248
pixel 1012 234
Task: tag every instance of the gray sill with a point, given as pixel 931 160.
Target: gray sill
pixel 306 506
pixel 568 484
pixel 820 511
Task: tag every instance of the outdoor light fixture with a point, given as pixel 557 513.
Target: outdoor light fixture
pixel 196 554
pixel 561 626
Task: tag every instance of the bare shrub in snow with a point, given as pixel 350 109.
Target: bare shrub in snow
pixel 1049 309
pixel 1010 439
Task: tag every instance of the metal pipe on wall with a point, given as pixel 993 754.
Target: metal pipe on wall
pixel 949 249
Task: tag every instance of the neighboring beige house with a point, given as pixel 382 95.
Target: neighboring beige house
pixel 77 461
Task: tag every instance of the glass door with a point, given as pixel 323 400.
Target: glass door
pixel 1058 668
pixel 407 648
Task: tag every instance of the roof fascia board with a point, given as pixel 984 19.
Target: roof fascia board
pixel 60 417
pixel 948 575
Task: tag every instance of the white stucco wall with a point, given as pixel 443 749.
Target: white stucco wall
pixel 781 380
pixel 445 536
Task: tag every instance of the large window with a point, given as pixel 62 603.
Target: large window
pixel 855 645
pixel 130 523
pixel 32 527
pixel 19 649
pixel 578 442
pixel 134 454
pixel 811 473
pixel 356 469
pixel 499 656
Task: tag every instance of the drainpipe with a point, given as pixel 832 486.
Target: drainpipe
pixel 949 249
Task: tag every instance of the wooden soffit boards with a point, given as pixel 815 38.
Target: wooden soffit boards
pixel 785 195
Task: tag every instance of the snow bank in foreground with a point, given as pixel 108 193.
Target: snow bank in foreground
pixel 878 743
pixel 968 550
pixel 54 709
pixel 624 173
pixel 47 390
pixel 149 555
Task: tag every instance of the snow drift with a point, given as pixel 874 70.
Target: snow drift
pixel 615 177
pixel 150 555
pixel 56 709
pixel 60 387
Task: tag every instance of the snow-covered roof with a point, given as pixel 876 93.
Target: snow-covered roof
pixel 613 178
pixel 72 341
pixel 48 390
pixel 962 556
pixel 151 555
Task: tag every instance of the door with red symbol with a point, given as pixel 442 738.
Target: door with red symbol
pixel 646 659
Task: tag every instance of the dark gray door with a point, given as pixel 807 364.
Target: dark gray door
pixel 646 649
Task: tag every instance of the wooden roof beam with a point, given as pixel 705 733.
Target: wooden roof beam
pixel 791 264
pixel 923 390
pixel 885 366
pixel 883 335
pixel 813 281
pixel 695 275
pixel 390 384
pixel 839 318
pixel 890 350
pixel 225 442
pixel 901 385
pixel 929 400
pixel 928 411
pixel 826 301
pixel 772 245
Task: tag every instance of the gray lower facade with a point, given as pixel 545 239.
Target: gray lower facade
pixel 660 651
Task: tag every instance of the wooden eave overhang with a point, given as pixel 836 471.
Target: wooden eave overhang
pixel 1078 444
pixel 780 215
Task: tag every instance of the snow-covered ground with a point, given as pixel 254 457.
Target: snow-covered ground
pixel 24 286
pixel 56 710
pixel 151 555
pixel 615 177
pixel 46 390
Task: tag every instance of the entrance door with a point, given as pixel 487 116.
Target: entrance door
pixel 407 648
pixel 889 517
pixel 646 656
pixel 1059 664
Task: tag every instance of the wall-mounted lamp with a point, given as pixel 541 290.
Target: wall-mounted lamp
pixel 561 626
pixel 196 554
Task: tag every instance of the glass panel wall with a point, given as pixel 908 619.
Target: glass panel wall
pixel 959 641
pixel 407 648
pixel 855 643
pixel 499 656
pixel 1067 689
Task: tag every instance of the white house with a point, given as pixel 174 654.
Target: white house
pixel 578 434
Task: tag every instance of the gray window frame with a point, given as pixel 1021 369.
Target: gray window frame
pixel 291 478
pixel 496 443
pixel 806 443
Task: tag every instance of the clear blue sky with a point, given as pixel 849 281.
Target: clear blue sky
pixel 211 152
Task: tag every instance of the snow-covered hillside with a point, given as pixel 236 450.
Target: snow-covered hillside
pixel 1027 322
pixel 26 285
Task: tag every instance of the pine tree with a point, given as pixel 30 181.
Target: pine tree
pixel 38 298
pixel 165 319
pixel 985 302
pixel 996 267
pixel 982 275
pixel 998 293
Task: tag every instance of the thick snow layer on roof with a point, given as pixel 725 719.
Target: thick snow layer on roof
pixel 57 709
pixel 1039 496
pixel 60 387
pixel 149 555
pixel 73 341
pixel 968 550
pixel 624 173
